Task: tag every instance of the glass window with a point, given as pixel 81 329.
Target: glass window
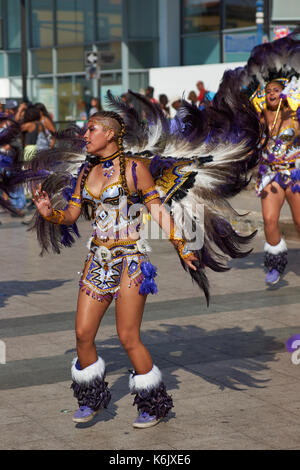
pixel 285 11
pixel 201 49
pixel 14 64
pixel 1 24
pixel 41 61
pixel 70 59
pixel 109 20
pixel 200 15
pixel 75 21
pixel 110 55
pixel 66 99
pixel 2 68
pixel 142 19
pixel 112 82
pixel 13 24
pixel 74 95
pixel 42 92
pixel 41 15
pixel 138 81
pixel 238 45
pixel 143 54
pixel 239 14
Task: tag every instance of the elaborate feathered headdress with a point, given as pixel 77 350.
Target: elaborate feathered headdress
pixel 274 61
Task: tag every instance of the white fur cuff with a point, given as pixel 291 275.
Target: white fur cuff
pixel 277 249
pixel 88 374
pixel 148 381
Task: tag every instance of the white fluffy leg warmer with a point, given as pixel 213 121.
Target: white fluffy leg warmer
pixel 148 381
pixel 88 374
pixel 276 249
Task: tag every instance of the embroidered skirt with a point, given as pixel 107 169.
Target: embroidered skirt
pixel 104 267
pixel 288 176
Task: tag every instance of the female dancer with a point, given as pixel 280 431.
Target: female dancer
pixel 279 176
pixel 208 165
pixel 276 66
pixel 120 263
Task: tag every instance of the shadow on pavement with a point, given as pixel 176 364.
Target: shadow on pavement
pixel 24 288
pixel 229 358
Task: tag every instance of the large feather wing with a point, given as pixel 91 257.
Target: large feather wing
pixel 198 168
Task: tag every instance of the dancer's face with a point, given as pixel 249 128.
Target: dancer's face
pixel 273 91
pixel 97 137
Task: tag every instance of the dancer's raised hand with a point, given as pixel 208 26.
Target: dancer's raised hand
pixel 42 203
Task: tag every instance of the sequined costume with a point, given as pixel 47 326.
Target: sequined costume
pixel 194 174
pixel 279 62
pixel 280 161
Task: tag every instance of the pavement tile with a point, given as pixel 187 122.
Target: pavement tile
pixel 232 381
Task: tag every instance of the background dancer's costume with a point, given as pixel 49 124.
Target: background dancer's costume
pixel 9 155
pixel 194 173
pixel 278 61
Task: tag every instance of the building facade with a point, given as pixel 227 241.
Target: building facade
pixel 77 49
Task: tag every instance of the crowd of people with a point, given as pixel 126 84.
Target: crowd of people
pixel 37 132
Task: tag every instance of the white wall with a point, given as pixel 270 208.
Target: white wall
pixel 174 81
pixel 4 88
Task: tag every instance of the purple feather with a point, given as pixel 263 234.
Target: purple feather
pixel 148 285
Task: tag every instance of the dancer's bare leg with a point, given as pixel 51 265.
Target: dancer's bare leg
pixel 272 199
pixel 88 318
pixel 294 203
pixel 129 312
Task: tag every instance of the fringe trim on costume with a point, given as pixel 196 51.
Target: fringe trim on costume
pixel 110 295
pixel 94 395
pixel 155 402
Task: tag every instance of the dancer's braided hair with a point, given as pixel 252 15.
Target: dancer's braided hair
pixel 92 162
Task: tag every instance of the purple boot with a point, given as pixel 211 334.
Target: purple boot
pixel 90 389
pixel 275 261
pixel 153 402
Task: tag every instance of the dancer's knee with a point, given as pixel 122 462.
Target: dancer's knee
pixel 129 341
pixel 270 221
pixel 83 337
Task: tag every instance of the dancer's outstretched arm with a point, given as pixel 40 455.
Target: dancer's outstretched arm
pixel 68 216
pixel 146 185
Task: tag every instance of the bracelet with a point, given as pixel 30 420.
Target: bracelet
pixel 56 217
pixel 150 194
pixel 75 204
pixel 75 201
pixel 76 198
pixel 180 245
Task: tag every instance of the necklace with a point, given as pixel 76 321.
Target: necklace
pixel 108 165
pixel 106 162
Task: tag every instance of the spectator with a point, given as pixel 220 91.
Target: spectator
pixel 95 106
pixel 192 97
pixel 176 125
pixel 126 99
pixel 149 94
pixel 176 102
pixel 82 114
pixel 34 135
pixel 11 153
pixel 163 101
pixel 11 107
pixel 47 122
pixel 204 96
pixel 19 116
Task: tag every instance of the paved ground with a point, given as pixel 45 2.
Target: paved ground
pixel 232 381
